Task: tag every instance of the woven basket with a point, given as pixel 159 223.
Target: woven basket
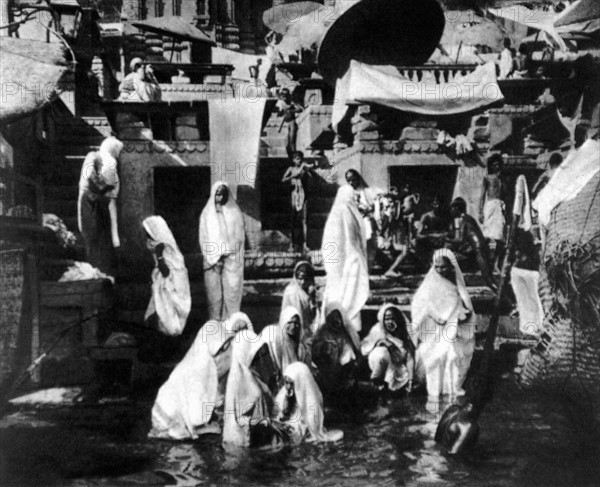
pixel 568 354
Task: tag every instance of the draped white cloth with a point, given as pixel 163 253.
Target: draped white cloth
pixel 283 349
pixel 525 284
pixel 109 151
pixel 222 244
pixel 345 257
pixel 442 326
pixel 186 401
pixel 569 179
pixel 382 364
pixel 171 298
pixel 384 85
pixel 305 418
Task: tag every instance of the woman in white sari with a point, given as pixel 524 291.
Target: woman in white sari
pixel 249 404
pixel 222 246
pixel 442 322
pixel 185 403
pixel 300 294
pixel 300 405
pixel 390 350
pixel 171 299
pixel 345 257
pixel 285 343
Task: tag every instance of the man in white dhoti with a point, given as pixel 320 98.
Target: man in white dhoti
pixel 222 245
pixel 443 328
pixel 171 298
pixel 493 208
pixel 345 257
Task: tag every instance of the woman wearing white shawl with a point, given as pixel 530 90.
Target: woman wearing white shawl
pixel 300 404
pixel 97 203
pixel 185 403
pixel 442 325
pixel 171 299
pixel 248 400
pixel 285 341
pixel 222 246
pixel 300 294
pixel 345 257
pixel 389 349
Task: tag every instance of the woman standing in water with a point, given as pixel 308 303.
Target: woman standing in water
pixel 97 204
pixel 345 257
pixel 222 244
pixel 442 322
pixel 171 298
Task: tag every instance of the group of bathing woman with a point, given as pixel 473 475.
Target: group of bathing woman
pixel 265 388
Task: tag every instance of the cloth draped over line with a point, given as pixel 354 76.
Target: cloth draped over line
pixel 295 296
pixel 569 179
pixel 442 323
pixel 307 415
pixel 222 241
pixel 383 85
pixel 246 397
pixel 470 187
pixel 185 403
pixel 383 364
pixel 345 257
pixel 225 117
pixel 171 297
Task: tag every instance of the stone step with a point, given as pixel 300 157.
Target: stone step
pixel 80 147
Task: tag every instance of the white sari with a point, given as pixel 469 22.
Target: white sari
pixel 171 299
pixel 185 403
pixel 222 244
pixel 381 362
pixel 443 330
pixel 345 257
pixel 305 418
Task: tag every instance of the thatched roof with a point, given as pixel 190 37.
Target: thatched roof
pixel 30 73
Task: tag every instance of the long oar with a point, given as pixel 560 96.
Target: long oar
pixel 458 429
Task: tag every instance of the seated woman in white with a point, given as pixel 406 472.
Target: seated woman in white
pixel 300 404
pixel 389 350
pixel 249 404
pixel 284 343
pixel 185 403
pixel 443 327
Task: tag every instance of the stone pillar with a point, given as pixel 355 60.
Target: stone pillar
pixel 5 17
pixel 244 19
pixel 364 124
pixel 230 29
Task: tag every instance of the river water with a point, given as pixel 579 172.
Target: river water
pixel 526 440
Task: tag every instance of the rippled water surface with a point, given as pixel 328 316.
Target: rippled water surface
pixel 525 440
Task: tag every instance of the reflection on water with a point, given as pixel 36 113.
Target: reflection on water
pixel 388 442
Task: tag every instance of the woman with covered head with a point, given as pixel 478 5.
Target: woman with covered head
pixel 222 245
pixel 345 258
pixel 97 204
pixel 442 322
pixel 390 350
pixel 285 343
pixel 171 298
pixel 335 350
pixel 300 407
pixel 185 403
pixel 249 404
